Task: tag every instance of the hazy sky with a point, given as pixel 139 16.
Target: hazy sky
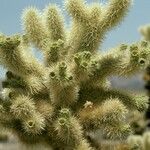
pixel 10 22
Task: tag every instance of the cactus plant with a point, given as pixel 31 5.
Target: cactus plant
pixel 145 31
pixel 136 142
pixel 59 101
pixel 147 87
pixel 3 135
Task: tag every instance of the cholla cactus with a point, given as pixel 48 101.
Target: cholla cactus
pixel 137 142
pixel 60 101
pixel 145 31
pixel 3 135
pixel 147 87
pixel 146 138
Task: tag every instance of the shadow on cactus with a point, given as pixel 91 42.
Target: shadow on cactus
pixel 58 102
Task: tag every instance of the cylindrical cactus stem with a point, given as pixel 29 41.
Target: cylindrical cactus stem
pixel 34 27
pixel 63 88
pixel 68 128
pixel 54 23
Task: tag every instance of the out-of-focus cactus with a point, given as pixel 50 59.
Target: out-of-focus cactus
pixel 147 87
pixel 58 102
pixel 113 145
pixel 3 135
pixel 145 31
pixel 137 142
pixel 137 122
pixel 146 138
